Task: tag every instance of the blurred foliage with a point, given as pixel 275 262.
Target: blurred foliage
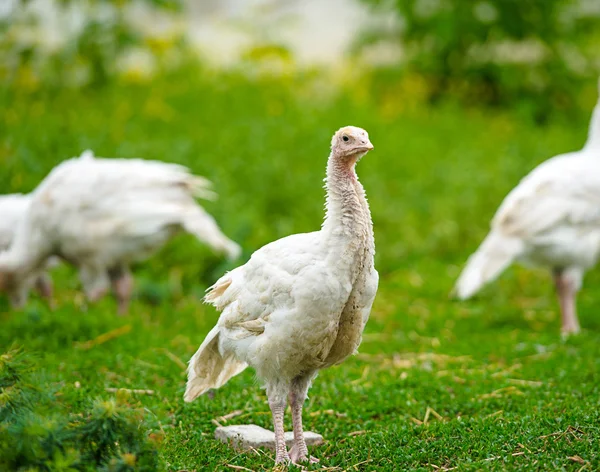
pixel 539 56
pixel 38 433
pixel 96 35
pixel 538 52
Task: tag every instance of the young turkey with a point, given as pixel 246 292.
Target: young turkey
pixel 299 304
pixel 552 219
pixel 103 214
pixel 12 210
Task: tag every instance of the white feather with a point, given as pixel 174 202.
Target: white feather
pixel 298 305
pixel 551 219
pixel 13 209
pixel 101 214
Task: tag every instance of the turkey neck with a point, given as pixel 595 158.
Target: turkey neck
pixel 347 214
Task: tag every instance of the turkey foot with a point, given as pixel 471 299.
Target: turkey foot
pixel 296 457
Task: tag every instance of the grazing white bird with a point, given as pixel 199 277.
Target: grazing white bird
pixel 551 219
pixel 103 214
pixel 12 209
pixel 300 304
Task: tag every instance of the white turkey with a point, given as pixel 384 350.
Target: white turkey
pixel 101 215
pixel 551 219
pixel 300 304
pixel 12 209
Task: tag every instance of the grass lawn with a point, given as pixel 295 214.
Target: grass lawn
pixel 438 384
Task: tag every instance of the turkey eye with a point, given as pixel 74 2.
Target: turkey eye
pixel 346 138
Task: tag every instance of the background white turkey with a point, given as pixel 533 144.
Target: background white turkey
pixel 12 209
pixel 552 219
pixel 300 304
pixel 103 214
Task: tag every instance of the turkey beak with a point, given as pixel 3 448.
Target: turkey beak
pixel 366 145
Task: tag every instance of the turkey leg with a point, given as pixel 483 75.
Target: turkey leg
pixel 122 286
pixel 278 409
pixel 567 292
pixel 297 396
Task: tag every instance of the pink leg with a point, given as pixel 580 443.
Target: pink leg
pixel 278 410
pixel 95 281
pixel 96 294
pixel 567 292
pixel 299 451
pixel 43 285
pixel 122 286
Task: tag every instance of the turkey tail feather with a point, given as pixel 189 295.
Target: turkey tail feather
pixel 204 227
pixel 494 255
pixel 209 369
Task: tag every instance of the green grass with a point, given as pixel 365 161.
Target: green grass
pixel 507 392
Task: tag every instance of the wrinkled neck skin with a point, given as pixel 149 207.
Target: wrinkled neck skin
pixel 593 140
pixel 347 217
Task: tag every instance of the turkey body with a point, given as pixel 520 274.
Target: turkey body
pixel 101 215
pixel 299 305
pixel 551 219
pixel 555 212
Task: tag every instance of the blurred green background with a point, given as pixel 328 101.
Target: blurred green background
pixel 460 98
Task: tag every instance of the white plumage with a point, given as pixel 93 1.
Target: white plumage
pixel 299 304
pixel 552 219
pixel 12 210
pixel 103 214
